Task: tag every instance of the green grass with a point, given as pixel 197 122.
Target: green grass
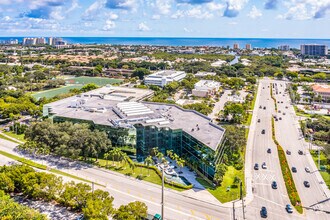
pixel 100 81
pixel 19 137
pixel 221 192
pixel 323 161
pixel 141 173
pixel 41 167
pixel 8 139
pixel 54 92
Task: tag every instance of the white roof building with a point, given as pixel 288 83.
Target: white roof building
pixel 204 88
pixel 162 78
pixel 218 63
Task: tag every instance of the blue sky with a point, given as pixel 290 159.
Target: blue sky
pixel 166 18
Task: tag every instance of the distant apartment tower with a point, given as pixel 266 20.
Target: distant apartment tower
pixel 40 40
pixel 284 47
pixel 53 41
pixel 29 41
pixel 9 42
pixel 248 47
pixel 314 49
pixel 236 46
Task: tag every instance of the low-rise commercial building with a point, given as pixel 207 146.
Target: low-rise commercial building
pixel 121 113
pixel 163 77
pixel 323 91
pixel 206 88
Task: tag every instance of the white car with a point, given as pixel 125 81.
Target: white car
pixel 264 166
pixel 307 169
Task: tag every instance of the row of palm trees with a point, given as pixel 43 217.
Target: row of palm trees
pixel 117 155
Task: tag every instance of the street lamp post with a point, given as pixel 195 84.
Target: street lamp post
pixel 163 193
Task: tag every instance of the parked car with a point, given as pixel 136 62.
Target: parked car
pixel 274 185
pixel 307 169
pixel 264 166
pixel 306 184
pixel 288 208
pixel 263 212
pixel 294 170
pixel 256 166
pixel 300 152
pixel 288 152
pixel 269 150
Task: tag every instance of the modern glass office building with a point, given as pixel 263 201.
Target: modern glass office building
pixel 145 125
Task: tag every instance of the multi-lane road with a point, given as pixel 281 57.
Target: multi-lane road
pixel 258 182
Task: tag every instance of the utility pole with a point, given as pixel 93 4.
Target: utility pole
pixel 163 192
pixel 234 211
pixel 241 197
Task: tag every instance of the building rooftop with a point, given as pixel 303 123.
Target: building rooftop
pixel 121 107
pixel 207 83
pixel 321 88
pixel 167 73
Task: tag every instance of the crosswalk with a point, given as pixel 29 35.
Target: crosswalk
pixel 262 177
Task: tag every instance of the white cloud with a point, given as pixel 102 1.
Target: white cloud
pixel 93 10
pixel 143 27
pixel 187 30
pixel 112 16
pixel 178 14
pixel 234 7
pixel 6 18
pixel 57 14
pixel 212 6
pixel 194 12
pixel 109 25
pixel 306 9
pixel 74 6
pixel 254 13
pixel 163 6
pixel 155 17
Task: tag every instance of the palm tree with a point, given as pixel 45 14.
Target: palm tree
pixel 160 155
pixel 169 153
pixel 130 163
pixel 181 163
pixel 106 156
pixel 148 161
pixel 154 151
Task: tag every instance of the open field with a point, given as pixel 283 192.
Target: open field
pixel 100 81
pixel 54 92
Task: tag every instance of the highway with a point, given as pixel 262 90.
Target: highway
pixel 287 133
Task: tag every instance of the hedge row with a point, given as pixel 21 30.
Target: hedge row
pixel 287 175
pixel 271 94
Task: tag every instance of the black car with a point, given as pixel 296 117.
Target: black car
pixel 263 131
pixel 263 212
pixel 288 152
pixel 259 120
pixel 256 166
pixel 306 184
pixel 264 107
pixel 260 106
pixel 300 152
pixel 280 118
pixel 274 185
pixel 294 170
pixel 269 150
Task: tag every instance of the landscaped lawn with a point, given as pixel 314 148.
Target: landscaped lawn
pixel 139 172
pixel 323 161
pixel 100 81
pixel 221 192
pixel 19 137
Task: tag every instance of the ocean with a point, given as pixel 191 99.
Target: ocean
pixel 163 41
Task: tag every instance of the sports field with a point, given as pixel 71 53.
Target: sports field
pixel 53 92
pixel 75 83
pixel 100 81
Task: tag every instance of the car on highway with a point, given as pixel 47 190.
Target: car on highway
pixel 306 184
pixel 300 152
pixel 259 120
pixel 288 208
pixel 260 106
pixel 264 107
pixel 274 185
pixel 157 217
pixel 256 166
pixel 307 169
pixel 263 212
pixel 288 152
pixel 294 169
pixel 280 118
pixel 263 131
pixel 264 166
pixel 283 113
pixel 269 150
pixel 281 101
pixel 279 111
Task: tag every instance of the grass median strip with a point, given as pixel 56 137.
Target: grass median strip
pixel 42 167
pixel 287 175
pixel 8 139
